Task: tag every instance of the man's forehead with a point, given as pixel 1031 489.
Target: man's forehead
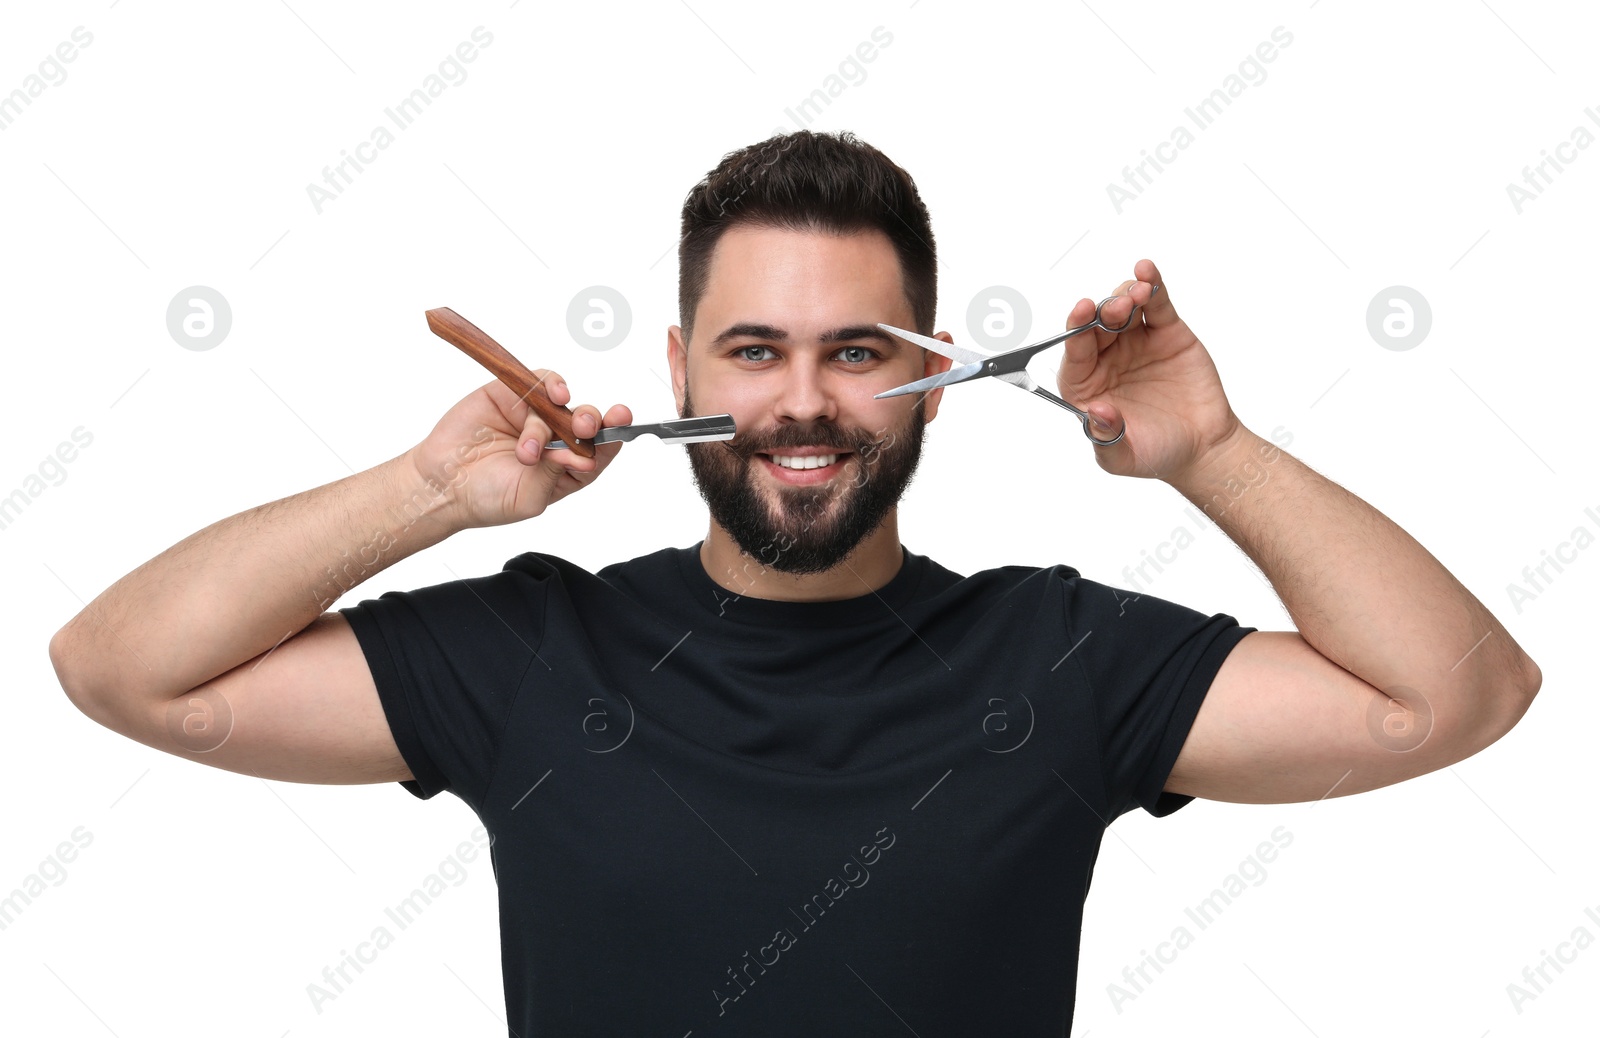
pixel 747 255
pixel 801 286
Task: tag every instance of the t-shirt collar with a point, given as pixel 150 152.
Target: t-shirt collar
pixel 728 605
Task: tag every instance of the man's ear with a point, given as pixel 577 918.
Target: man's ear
pixel 677 364
pixel 934 364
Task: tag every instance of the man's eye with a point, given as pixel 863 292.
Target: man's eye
pixel 855 355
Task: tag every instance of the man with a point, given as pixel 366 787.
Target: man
pixel 798 779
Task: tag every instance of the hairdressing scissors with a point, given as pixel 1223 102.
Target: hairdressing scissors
pixel 1009 367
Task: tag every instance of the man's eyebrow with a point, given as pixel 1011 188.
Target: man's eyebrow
pixel 851 333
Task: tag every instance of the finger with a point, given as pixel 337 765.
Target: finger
pixel 1105 421
pixel 1113 313
pixel 586 421
pixel 515 406
pixel 551 384
pixel 605 452
pixel 1083 349
pixel 617 415
pixel 1116 311
pixel 536 431
pixel 1158 310
pixel 535 434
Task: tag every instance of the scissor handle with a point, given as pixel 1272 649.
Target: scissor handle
pixel 1017 359
pixel 1097 323
pixel 475 343
pixel 1082 415
pixel 1105 443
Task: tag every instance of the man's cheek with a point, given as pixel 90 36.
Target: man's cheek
pixel 870 455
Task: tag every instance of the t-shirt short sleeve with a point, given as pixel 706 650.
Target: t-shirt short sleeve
pixel 448 661
pixel 1149 664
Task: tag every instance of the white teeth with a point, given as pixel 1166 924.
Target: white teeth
pixel 808 461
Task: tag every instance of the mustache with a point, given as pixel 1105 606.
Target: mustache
pixel 747 446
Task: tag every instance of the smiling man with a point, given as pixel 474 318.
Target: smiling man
pixel 814 477
pixel 797 779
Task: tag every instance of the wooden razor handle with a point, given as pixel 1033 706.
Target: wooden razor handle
pixel 475 343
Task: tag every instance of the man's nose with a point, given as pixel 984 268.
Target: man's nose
pixel 808 395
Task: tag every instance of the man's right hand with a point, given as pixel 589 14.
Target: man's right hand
pixel 488 452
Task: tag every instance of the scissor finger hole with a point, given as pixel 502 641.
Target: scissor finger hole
pixel 1105 443
pixel 1117 328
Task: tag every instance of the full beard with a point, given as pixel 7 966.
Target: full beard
pixel 805 529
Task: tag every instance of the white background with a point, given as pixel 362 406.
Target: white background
pixel 1376 152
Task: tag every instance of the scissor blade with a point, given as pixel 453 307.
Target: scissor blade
pixel 959 354
pixel 943 378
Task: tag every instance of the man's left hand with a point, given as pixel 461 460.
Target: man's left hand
pixel 1154 375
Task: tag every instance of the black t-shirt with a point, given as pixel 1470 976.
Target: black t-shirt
pixel 731 815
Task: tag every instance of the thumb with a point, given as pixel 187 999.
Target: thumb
pixel 1105 421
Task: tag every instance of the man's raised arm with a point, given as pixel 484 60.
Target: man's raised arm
pixel 171 654
pixel 1396 670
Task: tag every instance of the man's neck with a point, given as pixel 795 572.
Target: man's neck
pixel 873 564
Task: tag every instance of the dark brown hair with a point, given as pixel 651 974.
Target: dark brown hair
pixel 808 181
